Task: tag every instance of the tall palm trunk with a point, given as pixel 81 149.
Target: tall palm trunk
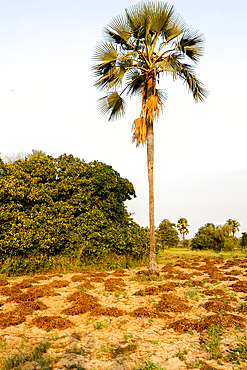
pixel 152 268
pixel 151 85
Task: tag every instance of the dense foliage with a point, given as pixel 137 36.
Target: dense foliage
pixel 64 205
pixel 167 235
pixel 243 241
pixel 214 237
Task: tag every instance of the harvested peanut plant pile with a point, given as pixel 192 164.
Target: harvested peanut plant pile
pixel 191 316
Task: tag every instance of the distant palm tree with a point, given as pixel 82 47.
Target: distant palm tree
pixel 146 43
pixel 183 227
pixel 234 225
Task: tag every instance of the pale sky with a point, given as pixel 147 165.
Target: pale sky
pixel 48 102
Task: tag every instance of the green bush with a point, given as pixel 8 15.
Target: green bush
pixel 201 242
pixel 166 235
pixel 231 243
pixel 204 238
pixel 243 241
pixel 186 243
pixel 51 206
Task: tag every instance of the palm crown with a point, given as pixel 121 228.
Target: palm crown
pixel 148 41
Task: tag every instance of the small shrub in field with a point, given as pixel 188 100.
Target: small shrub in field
pixel 186 243
pixel 238 353
pixel 231 243
pixel 181 355
pixel 100 325
pixel 213 344
pixel 36 355
pixel 150 366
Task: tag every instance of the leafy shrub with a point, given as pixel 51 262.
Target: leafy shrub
pixel 186 243
pixel 230 243
pixel 50 206
pixel 243 241
pixel 167 235
pixel 200 242
pixel 150 365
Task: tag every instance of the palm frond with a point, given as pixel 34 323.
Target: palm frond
pixel 123 65
pixel 111 75
pixel 119 75
pixel 105 77
pixel 134 80
pixel 194 85
pixel 191 44
pixel 139 131
pixel 160 15
pixel 118 31
pixel 165 65
pixel 151 109
pixel 162 95
pixel 172 33
pixel 137 19
pixel 129 57
pixel 170 64
pixel 165 20
pixel 173 65
pixel 112 105
pixel 105 53
pixel 153 106
pixel 108 72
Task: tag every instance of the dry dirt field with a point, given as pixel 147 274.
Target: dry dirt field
pixel 193 316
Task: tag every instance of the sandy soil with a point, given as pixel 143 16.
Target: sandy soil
pixel 126 320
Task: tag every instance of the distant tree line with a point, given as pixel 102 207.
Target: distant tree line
pixel 220 237
pixel 65 205
pixel 209 236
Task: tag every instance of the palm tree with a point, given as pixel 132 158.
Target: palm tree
pixel 234 225
pixel 147 42
pixel 183 227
